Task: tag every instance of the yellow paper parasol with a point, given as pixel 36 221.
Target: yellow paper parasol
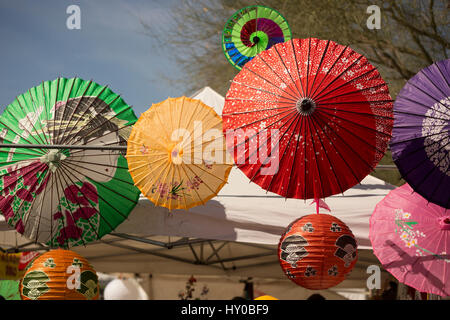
pixel 177 155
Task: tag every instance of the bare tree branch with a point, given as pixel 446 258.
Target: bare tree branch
pixel 414 33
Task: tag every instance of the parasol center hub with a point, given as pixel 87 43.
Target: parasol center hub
pixel 305 106
pixel 53 159
pixel 176 155
pixel 256 39
pixel 445 223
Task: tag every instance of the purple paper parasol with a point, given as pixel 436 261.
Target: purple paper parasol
pixel 420 141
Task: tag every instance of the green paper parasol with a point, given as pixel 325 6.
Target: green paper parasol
pixel 9 290
pixel 64 179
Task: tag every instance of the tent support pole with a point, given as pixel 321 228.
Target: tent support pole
pixel 61 146
pixel 216 251
pixel 170 245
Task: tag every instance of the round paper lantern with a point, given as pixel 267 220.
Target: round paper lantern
pixel 59 275
pixel 317 251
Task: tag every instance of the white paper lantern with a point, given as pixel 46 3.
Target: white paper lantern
pixel 124 289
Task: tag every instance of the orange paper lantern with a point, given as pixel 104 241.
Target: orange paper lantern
pixel 317 251
pixel 59 275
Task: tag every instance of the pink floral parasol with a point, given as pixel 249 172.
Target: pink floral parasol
pixel 411 238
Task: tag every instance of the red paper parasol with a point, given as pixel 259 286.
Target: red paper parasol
pixel 308 118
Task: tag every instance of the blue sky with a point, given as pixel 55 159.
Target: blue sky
pixel 111 48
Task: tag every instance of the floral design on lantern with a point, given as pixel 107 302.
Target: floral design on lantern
pixel 335 227
pixel 77 263
pixel 346 249
pixel 293 249
pixel 49 263
pixel 333 271
pixel 89 285
pixel 289 274
pixel 35 284
pixel 308 227
pixel 310 272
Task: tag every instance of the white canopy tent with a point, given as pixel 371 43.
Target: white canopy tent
pixel 233 236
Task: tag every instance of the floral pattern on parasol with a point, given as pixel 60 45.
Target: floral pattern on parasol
pixel 62 182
